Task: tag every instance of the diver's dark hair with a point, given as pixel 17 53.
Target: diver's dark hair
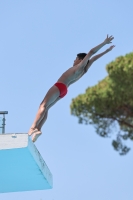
pixel 81 55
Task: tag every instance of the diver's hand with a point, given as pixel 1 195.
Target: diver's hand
pixel 108 39
pixel 110 48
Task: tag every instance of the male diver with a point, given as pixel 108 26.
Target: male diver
pixel 80 66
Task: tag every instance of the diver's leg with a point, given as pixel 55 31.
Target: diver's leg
pixel 38 132
pixel 50 99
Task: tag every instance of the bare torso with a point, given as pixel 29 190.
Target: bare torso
pixel 71 75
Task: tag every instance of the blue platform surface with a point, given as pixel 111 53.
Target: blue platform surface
pixel 22 168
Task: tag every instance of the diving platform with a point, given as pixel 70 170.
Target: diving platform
pixel 22 168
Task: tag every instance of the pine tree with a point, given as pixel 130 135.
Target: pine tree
pixel 110 103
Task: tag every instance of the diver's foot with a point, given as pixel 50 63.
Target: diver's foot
pixel 35 136
pixel 32 130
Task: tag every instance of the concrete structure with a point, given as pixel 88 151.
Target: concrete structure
pixel 22 168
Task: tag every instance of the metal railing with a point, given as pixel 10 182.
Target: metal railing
pixel 2 122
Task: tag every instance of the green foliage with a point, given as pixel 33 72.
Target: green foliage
pixel 110 103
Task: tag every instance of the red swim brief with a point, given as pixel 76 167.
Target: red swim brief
pixel 62 88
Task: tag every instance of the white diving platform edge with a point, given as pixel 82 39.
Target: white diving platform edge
pixel 22 168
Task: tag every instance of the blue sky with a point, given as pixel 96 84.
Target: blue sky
pixel 39 41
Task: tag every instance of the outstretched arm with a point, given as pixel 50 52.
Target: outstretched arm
pixel 94 58
pixel 108 40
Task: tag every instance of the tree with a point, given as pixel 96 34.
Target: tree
pixel 109 104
